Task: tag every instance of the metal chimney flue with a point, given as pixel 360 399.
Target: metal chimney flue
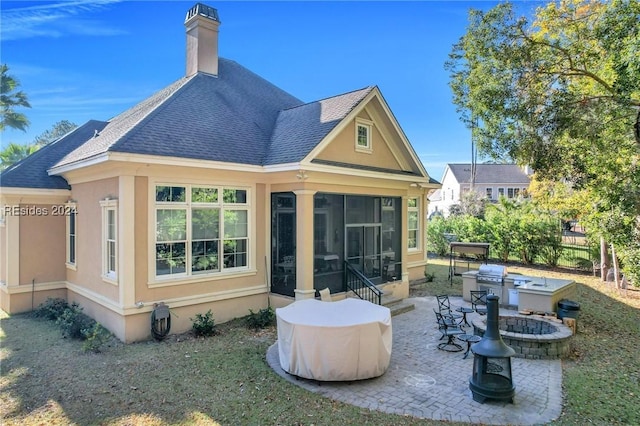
pixel 492 378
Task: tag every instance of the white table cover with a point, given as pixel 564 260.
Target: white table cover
pixel 334 341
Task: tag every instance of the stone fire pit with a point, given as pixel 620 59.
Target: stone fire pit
pixel 532 337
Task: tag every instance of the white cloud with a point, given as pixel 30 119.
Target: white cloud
pixel 55 20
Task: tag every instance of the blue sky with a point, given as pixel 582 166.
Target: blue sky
pixel 80 60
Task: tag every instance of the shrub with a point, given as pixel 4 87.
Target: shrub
pixel 204 325
pixel 51 309
pixel 73 321
pixel 96 337
pixel 261 319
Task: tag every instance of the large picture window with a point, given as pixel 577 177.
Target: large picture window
pixel 413 223
pixel 200 229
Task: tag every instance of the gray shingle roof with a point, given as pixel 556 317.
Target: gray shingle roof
pixel 32 171
pixel 235 117
pixel 227 118
pixel 490 173
pixel 300 129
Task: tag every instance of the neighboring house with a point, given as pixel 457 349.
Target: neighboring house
pixel 491 181
pixel 219 192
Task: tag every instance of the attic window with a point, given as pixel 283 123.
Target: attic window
pixel 363 135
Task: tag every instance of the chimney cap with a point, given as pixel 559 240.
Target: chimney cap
pixel 202 10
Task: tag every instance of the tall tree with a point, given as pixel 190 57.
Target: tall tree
pixel 15 152
pixel 10 98
pixel 562 94
pixel 58 130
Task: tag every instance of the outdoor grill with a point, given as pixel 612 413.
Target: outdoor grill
pixel 491 274
pixel 491 378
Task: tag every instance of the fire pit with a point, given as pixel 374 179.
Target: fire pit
pixel 491 378
pixel 531 337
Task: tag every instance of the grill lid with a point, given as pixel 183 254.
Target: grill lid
pixel 493 270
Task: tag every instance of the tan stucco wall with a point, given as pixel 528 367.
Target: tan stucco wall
pixel 88 273
pixel 3 253
pixel 342 149
pixel 42 244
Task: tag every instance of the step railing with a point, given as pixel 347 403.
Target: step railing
pixel 362 286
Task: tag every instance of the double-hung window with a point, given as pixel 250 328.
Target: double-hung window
pixel 71 235
pixel 109 239
pixel 413 223
pixel 200 229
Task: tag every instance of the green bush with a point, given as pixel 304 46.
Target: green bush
pixel 436 239
pixel 204 325
pixel 73 321
pixel 51 309
pixel 96 337
pixel 261 319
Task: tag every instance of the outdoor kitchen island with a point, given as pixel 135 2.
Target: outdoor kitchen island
pixel 538 294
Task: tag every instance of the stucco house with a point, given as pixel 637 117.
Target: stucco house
pixel 220 191
pixel 491 181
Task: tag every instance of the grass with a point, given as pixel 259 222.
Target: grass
pixel 224 379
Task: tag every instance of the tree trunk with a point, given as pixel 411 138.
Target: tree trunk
pixel 604 259
pixel 616 277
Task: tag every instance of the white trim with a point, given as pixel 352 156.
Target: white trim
pixel 28 288
pixel 417 209
pixel 35 192
pixel 199 278
pixel 72 265
pixel 368 125
pixel 188 276
pixel 108 205
pixel 177 302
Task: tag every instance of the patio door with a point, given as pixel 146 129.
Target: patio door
pixel 363 249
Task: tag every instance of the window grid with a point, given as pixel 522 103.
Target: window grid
pixel 413 223
pixel 193 230
pixel 71 235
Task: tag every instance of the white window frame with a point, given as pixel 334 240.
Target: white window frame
pixel 368 125
pixel 71 257
pixel 109 244
pixel 189 206
pixel 413 209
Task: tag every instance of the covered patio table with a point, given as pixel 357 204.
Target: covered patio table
pixel 334 341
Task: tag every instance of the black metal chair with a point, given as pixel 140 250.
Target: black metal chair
pixel 444 307
pixel 449 329
pixel 479 301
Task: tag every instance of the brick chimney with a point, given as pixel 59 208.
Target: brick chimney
pixel 202 39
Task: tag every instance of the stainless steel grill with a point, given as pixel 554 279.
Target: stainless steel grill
pixel 491 274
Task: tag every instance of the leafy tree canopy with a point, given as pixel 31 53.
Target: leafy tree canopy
pixel 10 98
pixel 58 130
pixel 561 93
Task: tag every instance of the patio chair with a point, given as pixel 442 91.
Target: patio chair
pixel 479 301
pixel 449 329
pixel 325 295
pixel 444 307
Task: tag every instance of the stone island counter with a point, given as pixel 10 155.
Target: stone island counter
pixel 541 294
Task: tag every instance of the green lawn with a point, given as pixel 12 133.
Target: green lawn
pixel 224 379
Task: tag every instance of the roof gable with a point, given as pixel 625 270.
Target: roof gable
pixel 300 129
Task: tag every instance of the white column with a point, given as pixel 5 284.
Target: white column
pixel 126 241
pixel 304 244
